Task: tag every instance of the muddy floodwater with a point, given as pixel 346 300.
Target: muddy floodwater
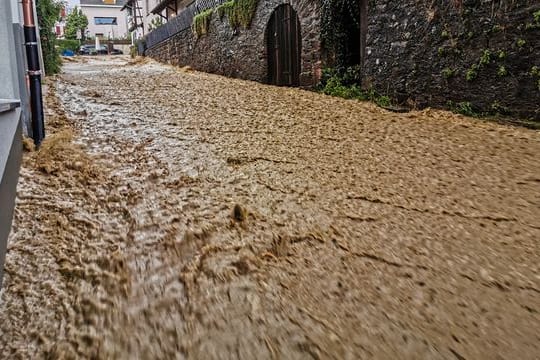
pixel 174 214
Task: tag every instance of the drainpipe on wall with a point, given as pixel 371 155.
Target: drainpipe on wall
pixel 34 72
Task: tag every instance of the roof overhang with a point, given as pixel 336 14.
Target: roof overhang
pixel 162 6
pixel 100 6
pixel 127 5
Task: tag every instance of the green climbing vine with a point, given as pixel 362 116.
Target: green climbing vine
pixel 201 22
pixel 536 21
pixel 227 8
pixel 535 73
pixel 239 12
pixel 340 22
pixel 486 58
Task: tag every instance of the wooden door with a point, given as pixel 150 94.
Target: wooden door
pixel 284 47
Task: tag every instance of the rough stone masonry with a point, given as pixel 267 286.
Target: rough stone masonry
pixel 479 54
pixel 485 53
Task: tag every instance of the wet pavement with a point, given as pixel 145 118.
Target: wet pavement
pixel 177 214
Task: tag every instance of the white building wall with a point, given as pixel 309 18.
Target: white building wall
pixel 146 17
pixel 120 30
pixel 148 5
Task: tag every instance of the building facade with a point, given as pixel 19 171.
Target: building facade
pixel 13 94
pixel 140 19
pixel 60 24
pixel 105 19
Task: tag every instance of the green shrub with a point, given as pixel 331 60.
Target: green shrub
pixel 334 87
pixel 536 16
pixel 76 22
pixel 133 51
pixel 535 72
pixel 502 71
pixel 383 101
pixel 48 12
pixel 440 51
pixel 497 108
pixel 485 59
pixel 448 73
pixel 472 73
pixel 464 108
pixel 65 44
pixel 340 84
pixel 531 26
pixel 155 23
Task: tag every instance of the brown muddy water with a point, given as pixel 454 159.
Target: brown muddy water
pixel 174 214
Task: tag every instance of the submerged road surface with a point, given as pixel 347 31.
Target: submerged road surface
pixel 176 214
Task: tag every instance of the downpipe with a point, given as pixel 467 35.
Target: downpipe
pixel 34 72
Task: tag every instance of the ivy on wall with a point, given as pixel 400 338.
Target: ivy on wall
pixel 340 32
pixel 201 22
pixel 239 12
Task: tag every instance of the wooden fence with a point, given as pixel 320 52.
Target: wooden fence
pixel 180 22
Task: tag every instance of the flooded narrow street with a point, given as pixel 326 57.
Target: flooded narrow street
pixel 177 214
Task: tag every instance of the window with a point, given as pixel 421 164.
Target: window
pixel 105 21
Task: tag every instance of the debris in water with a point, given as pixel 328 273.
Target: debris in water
pixel 28 144
pixel 239 213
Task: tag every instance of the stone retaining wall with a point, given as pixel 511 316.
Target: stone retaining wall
pixel 481 52
pixel 241 53
pixel 477 54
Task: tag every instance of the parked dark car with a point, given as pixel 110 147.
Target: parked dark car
pixel 86 49
pixel 116 52
pixel 102 50
pixel 91 50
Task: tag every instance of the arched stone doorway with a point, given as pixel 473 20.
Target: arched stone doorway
pixel 284 47
pixel 344 26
